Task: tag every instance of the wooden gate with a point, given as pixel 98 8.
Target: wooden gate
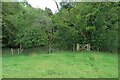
pixel 81 47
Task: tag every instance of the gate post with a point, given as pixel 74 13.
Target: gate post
pixel 88 47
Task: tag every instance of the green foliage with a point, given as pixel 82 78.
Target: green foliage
pixel 97 21
pixel 27 27
pixel 31 37
pixel 94 23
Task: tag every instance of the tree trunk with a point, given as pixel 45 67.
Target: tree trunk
pixel 49 48
pixel 12 51
pixel 49 42
pixel 73 47
pixel 18 51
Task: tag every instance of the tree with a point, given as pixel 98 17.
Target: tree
pixel 84 23
pixel 92 20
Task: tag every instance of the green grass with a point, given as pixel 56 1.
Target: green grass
pixel 61 65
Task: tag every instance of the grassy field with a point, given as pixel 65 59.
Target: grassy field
pixel 61 65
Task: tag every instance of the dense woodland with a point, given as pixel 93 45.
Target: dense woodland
pixel 74 23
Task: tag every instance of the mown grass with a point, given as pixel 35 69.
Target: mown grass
pixel 61 65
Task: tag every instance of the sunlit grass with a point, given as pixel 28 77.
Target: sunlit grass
pixel 61 65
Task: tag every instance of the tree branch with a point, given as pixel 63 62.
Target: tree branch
pixel 69 20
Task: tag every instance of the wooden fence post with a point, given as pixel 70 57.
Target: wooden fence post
pixel 78 47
